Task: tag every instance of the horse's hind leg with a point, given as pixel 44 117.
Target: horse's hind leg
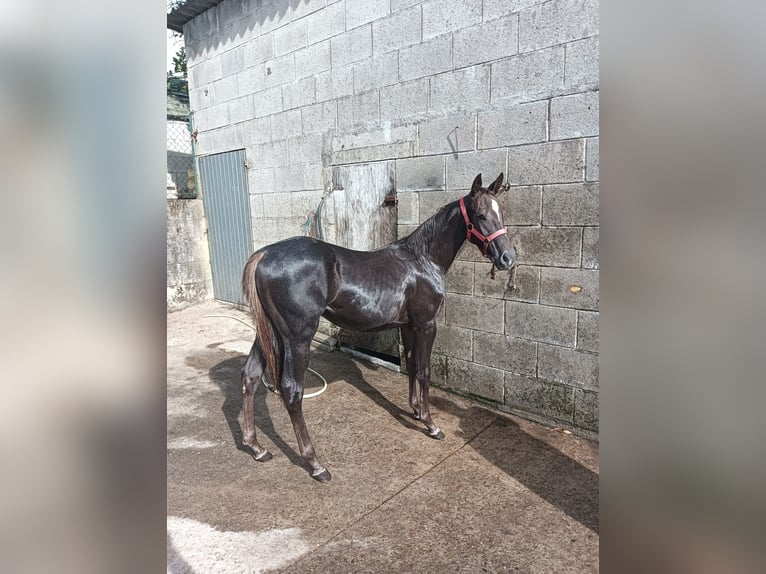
pixel 251 377
pixel 293 380
pixel 409 355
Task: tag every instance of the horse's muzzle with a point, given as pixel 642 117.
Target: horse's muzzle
pixel 506 260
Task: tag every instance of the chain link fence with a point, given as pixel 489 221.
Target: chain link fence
pixel 182 180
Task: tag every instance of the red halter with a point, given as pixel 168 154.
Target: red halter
pixel 472 231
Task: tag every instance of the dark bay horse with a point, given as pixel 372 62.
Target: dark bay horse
pixel 292 283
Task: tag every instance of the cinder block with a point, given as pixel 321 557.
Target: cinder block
pixel 304 203
pixel 469 251
pixel 587 330
pixel 520 124
pixel 259 50
pixel 375 72
pixel 280 70
pixel 257 131
pixel 289 178
pixel 558 247
pixel 407 209
pixel 463 169
pixel 306 149
pixel 425 59
pixel 499 8
pixel 216 117
pixel 267 102
pixel 312 176
pixel 298 93
pixel 205 73
pixel 472 379
pixel 251 80
pixel 228 12
pixel 451 134
pixel 567 366
pixel 404 100
pixel 574 116
pixel 260 180
pixel 570 204
pixel 256 206
pixel 200 98
pixel 590 248
pixel 303 8
pixel 241 109
pixel 225 89
pixel 335 83
pixel 277 204
pixel 286 124
pixel 358 109
pixel 460 278
pixel 522 205
pixel 396 31
pixel 375 137
pixel 443 16
pixel 557 22
pixel 550 400
pixel 438 369
pixel 552 162
pixel 290 38
pixel 586 410
pixel 485 42
pixel 374 153
pixel 574 288
pixel 591 159
pixel 312 60
pixel 320 117
pixel 479 313
pixel 528 77
pixel 233 61
pixel 527 283
pixel 397 5
pixel 582 64
pixel 541 323
pixel 420 173
pixel 463 89
pixel 433 201
pixel 507 353
pixel 272 154
pixel 351 47
pixel 453 342
pixel 273 15
pixel 360 12
pixel 326 23
pixel 403 231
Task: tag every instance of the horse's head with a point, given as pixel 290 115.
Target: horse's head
pixel 485 223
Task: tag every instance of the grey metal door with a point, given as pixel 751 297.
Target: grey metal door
pixel 364 223
pixel 230 233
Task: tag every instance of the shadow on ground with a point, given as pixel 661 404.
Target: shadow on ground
pixel 549 473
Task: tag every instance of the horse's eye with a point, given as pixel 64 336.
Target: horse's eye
pixel 481 217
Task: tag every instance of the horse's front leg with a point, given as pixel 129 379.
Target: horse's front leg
pixel 423 342
pixel 409 355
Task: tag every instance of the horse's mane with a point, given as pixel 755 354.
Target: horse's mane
pixel 420 240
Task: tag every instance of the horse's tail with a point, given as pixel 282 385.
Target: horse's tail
pixel 264 328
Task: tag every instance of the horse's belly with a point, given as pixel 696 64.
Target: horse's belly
pixel 354 320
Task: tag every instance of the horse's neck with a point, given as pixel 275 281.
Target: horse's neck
pixel 446 237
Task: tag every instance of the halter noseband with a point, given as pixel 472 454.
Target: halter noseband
pixel 471 230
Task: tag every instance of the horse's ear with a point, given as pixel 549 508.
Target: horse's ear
pixel 476 187
pixel 496 187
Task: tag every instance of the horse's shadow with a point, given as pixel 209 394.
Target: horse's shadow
pixel 226 375
pixel 543 469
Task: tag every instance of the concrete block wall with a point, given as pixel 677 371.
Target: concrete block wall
pixel 447 89
pixel 188 273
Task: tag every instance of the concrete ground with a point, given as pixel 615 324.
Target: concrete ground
pixel 499 494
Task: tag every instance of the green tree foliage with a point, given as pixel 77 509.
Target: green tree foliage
pixel 177 77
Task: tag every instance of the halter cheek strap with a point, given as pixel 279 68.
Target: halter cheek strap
pixel 471 230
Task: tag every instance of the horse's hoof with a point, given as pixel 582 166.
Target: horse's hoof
pixel 439 435
pixel 416 415
pixel 264 456
pixel 323 476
